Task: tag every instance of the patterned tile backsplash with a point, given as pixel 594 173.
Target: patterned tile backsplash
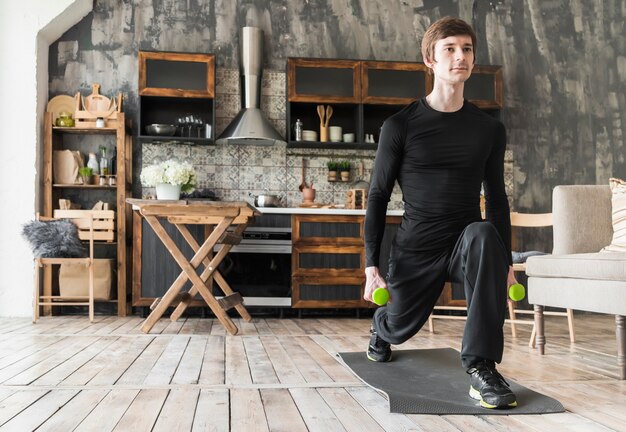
pixel 233 172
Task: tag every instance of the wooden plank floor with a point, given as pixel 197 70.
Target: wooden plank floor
pixel 64 374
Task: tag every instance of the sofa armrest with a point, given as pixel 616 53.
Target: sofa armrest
pixel 581 218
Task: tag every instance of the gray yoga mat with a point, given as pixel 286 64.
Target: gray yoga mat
pixel 432 381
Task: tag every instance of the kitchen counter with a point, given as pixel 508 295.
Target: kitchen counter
pixel 320 211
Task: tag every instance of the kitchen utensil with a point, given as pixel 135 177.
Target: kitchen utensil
pixel 60 104
pixel 97 103
pixel 264 200
pixel 160 129
pixel 329 114
pixel 302 183
pixel 320 113
pixel 335 133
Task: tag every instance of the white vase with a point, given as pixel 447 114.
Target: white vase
pixel 166 191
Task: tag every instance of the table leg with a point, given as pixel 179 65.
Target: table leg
pixel 189 272
pixel 226 289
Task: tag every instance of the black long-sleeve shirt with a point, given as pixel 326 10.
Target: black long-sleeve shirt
pixel 439 159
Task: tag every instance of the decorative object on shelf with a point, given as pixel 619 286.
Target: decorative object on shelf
pixel 309 135
pixel 65 120
pixel 104 162
pixel 61 104
pixel 170 172
pixel 85 173
pixel 66 165
pixel 332 171
pixel 335 133
pixel 93 163
pixel 99 122
pixel 94 106
pixel 369 138
pixel 324 115
pixel 344 168
pixel 348 137
pixel 297 129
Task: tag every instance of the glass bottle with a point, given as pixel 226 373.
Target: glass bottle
pixel 93 164
pixel 113 164
pixel 298 130
pixel 104 162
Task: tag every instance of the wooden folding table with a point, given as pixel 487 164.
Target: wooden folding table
pixel 219 216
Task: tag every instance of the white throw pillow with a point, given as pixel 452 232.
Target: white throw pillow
pixel 618 203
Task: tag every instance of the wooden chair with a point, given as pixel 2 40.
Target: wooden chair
pixel 533 220
pixel 89 229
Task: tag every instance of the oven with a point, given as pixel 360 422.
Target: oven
pixel 259 267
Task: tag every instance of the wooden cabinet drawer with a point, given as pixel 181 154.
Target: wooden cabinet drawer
pixel 328 292
pixel 327 260
pixel 327 230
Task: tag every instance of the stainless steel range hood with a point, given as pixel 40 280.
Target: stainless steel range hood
pixel 251 126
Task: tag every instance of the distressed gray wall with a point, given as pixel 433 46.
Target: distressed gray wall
pixel 564 64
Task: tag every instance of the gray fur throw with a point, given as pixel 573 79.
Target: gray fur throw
pixel 54 239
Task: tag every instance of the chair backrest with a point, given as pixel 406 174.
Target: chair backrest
pixel 531 220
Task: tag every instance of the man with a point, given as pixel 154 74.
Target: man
pixel 440 150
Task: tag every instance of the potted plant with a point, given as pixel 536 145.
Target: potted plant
pixel 332 171
pixel 344 167
pixel 85 173
pixel 170 178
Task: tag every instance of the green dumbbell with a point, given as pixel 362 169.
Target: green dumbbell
pixel 380 296
pixel 517 292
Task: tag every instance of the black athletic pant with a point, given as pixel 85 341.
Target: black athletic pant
pixel 415 281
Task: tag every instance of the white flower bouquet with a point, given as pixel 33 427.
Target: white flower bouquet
pixel 170 172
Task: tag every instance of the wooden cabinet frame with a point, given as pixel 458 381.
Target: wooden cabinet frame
pixel 396 66
pixel 209 59
pixel 294 63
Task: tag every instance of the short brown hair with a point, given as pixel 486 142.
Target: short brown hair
pixel 441 29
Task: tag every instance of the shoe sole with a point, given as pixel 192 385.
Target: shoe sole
pixel 475 394
pixel 378 361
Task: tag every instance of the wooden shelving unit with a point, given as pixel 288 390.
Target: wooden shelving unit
pixel 88 140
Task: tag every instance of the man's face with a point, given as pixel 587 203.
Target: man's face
pixel 453 59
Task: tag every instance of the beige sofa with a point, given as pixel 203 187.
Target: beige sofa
pixel 576 275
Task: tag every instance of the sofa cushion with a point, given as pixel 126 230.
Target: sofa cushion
pixel 598 266
pixel 618 204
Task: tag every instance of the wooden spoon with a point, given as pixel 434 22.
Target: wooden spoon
pixel 303 185
pixel 320 113
pixel 329 113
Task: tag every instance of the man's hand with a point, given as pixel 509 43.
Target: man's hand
pixel 510 280
pixel 373 280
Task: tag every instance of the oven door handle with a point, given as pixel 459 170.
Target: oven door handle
pixel 259 248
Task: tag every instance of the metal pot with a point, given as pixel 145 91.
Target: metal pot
pixel 265 200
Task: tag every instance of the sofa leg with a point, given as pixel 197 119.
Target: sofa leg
pixel 620 332
pixel 540 338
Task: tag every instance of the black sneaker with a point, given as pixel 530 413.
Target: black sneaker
pixel 489 387
pixel 378 350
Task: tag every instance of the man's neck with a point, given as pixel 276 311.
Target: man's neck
pixel 446 98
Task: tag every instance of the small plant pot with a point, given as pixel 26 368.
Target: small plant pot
pixel 345 176
pixel 332 176
pixel 86 179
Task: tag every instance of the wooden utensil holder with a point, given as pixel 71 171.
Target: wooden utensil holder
pixel 323 133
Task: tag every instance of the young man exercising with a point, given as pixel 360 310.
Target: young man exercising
pixel 440 150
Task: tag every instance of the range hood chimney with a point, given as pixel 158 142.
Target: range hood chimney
pixel 250 126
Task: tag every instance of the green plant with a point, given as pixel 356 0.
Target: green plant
pixel 344 166
pixel 332 166
pixel 85 171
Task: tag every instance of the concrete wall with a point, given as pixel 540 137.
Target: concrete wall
pixel 564 77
